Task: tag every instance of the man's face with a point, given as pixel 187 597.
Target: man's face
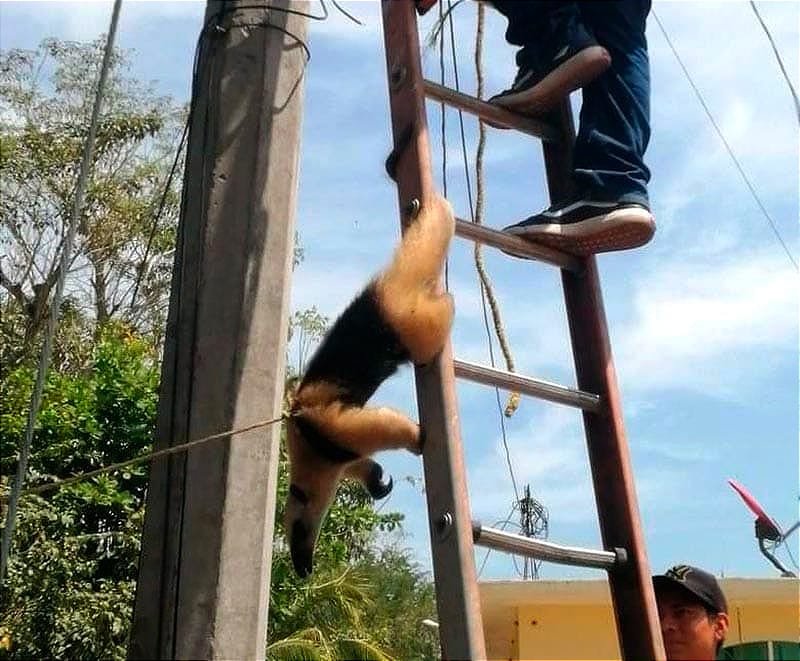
pixel 690 633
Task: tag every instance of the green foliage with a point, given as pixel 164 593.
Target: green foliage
pixel 70 583
pixel 404 596
pixel 306 329
pixel 361 601
pixel 70 586
pixel 374 605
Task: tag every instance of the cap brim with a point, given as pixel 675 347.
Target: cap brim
pixel 661 582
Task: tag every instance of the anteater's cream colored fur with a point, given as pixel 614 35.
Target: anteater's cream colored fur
pixel 400 316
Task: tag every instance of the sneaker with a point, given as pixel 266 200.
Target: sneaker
pixel 585 227
pixel 534 92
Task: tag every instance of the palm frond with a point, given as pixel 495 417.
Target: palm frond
pixel 304 645
pixel 360 650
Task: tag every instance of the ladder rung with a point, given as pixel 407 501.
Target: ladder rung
pixel 501 540
pixel 491 113
pixel 527 385
pixel 513 244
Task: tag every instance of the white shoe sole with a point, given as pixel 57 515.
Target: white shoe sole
pixel 573 74
pixel 621 229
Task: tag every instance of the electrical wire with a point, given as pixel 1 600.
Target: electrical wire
pixel 779 59
pixel 735 160
pixel 788 548
pixel 55 305
pixel 473 218
pixel 157 217
pixel 506 521
pixel 439 34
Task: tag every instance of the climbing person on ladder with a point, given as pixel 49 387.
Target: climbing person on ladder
pixel 601 48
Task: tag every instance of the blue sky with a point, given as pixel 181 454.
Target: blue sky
pixel 703 321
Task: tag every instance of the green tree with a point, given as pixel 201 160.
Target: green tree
pixel 125 238
pixel 70 584
pixel 370 608
pixel 69 588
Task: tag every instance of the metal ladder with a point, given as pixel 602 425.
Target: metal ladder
pixel 452 531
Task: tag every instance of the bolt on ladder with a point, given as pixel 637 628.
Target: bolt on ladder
pixel 452 531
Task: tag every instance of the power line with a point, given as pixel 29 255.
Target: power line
pixel 472 213
pixel 503 525
pixel 438 33
pixel 735 160
pixel 157 217
pixel 66 255
pixel 780 60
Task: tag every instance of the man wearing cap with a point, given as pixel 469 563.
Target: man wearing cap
pixel 693 613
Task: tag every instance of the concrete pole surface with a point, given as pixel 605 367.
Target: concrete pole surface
pixel 204 573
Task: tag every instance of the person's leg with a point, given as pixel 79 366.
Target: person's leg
pixel 557 55
pixel 614 125
pixel 611 211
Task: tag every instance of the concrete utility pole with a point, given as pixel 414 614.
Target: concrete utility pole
pixel 204 572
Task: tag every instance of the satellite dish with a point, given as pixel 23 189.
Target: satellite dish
pixel 767 530
pixel 765 525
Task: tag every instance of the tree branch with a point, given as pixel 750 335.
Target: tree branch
pixel 14 289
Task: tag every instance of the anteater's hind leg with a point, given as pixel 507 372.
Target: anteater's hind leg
pixel 365 431
pixel 370 474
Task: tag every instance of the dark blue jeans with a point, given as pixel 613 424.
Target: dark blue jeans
pixel 614 126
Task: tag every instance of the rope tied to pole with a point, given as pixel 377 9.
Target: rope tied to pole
pixel 175 449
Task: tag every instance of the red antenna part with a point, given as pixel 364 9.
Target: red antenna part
pixel 767 525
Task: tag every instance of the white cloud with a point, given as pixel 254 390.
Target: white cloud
pixel 549 453
pixel 340 27
pixel 88 19
pixel 691 317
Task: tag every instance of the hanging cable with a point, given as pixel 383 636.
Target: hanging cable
pixel 513 398
pixel 55 305
pixel 780 61
pixel 215 21
pixel 157 217
pixel 443 114
pixel 448 17
pixel 735 160
pixel 503 525
pixel 342 11
pixel 788 549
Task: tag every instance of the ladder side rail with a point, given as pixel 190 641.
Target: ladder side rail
pixel 458 600
pixel 631 585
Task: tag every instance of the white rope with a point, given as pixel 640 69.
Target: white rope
pixel 66 254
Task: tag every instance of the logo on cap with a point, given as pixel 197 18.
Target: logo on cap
pixel 679 572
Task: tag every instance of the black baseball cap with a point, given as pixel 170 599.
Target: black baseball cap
pixel 699 583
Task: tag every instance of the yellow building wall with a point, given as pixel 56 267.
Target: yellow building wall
pixel 585 631
pixel 575 631
pixel 755 622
